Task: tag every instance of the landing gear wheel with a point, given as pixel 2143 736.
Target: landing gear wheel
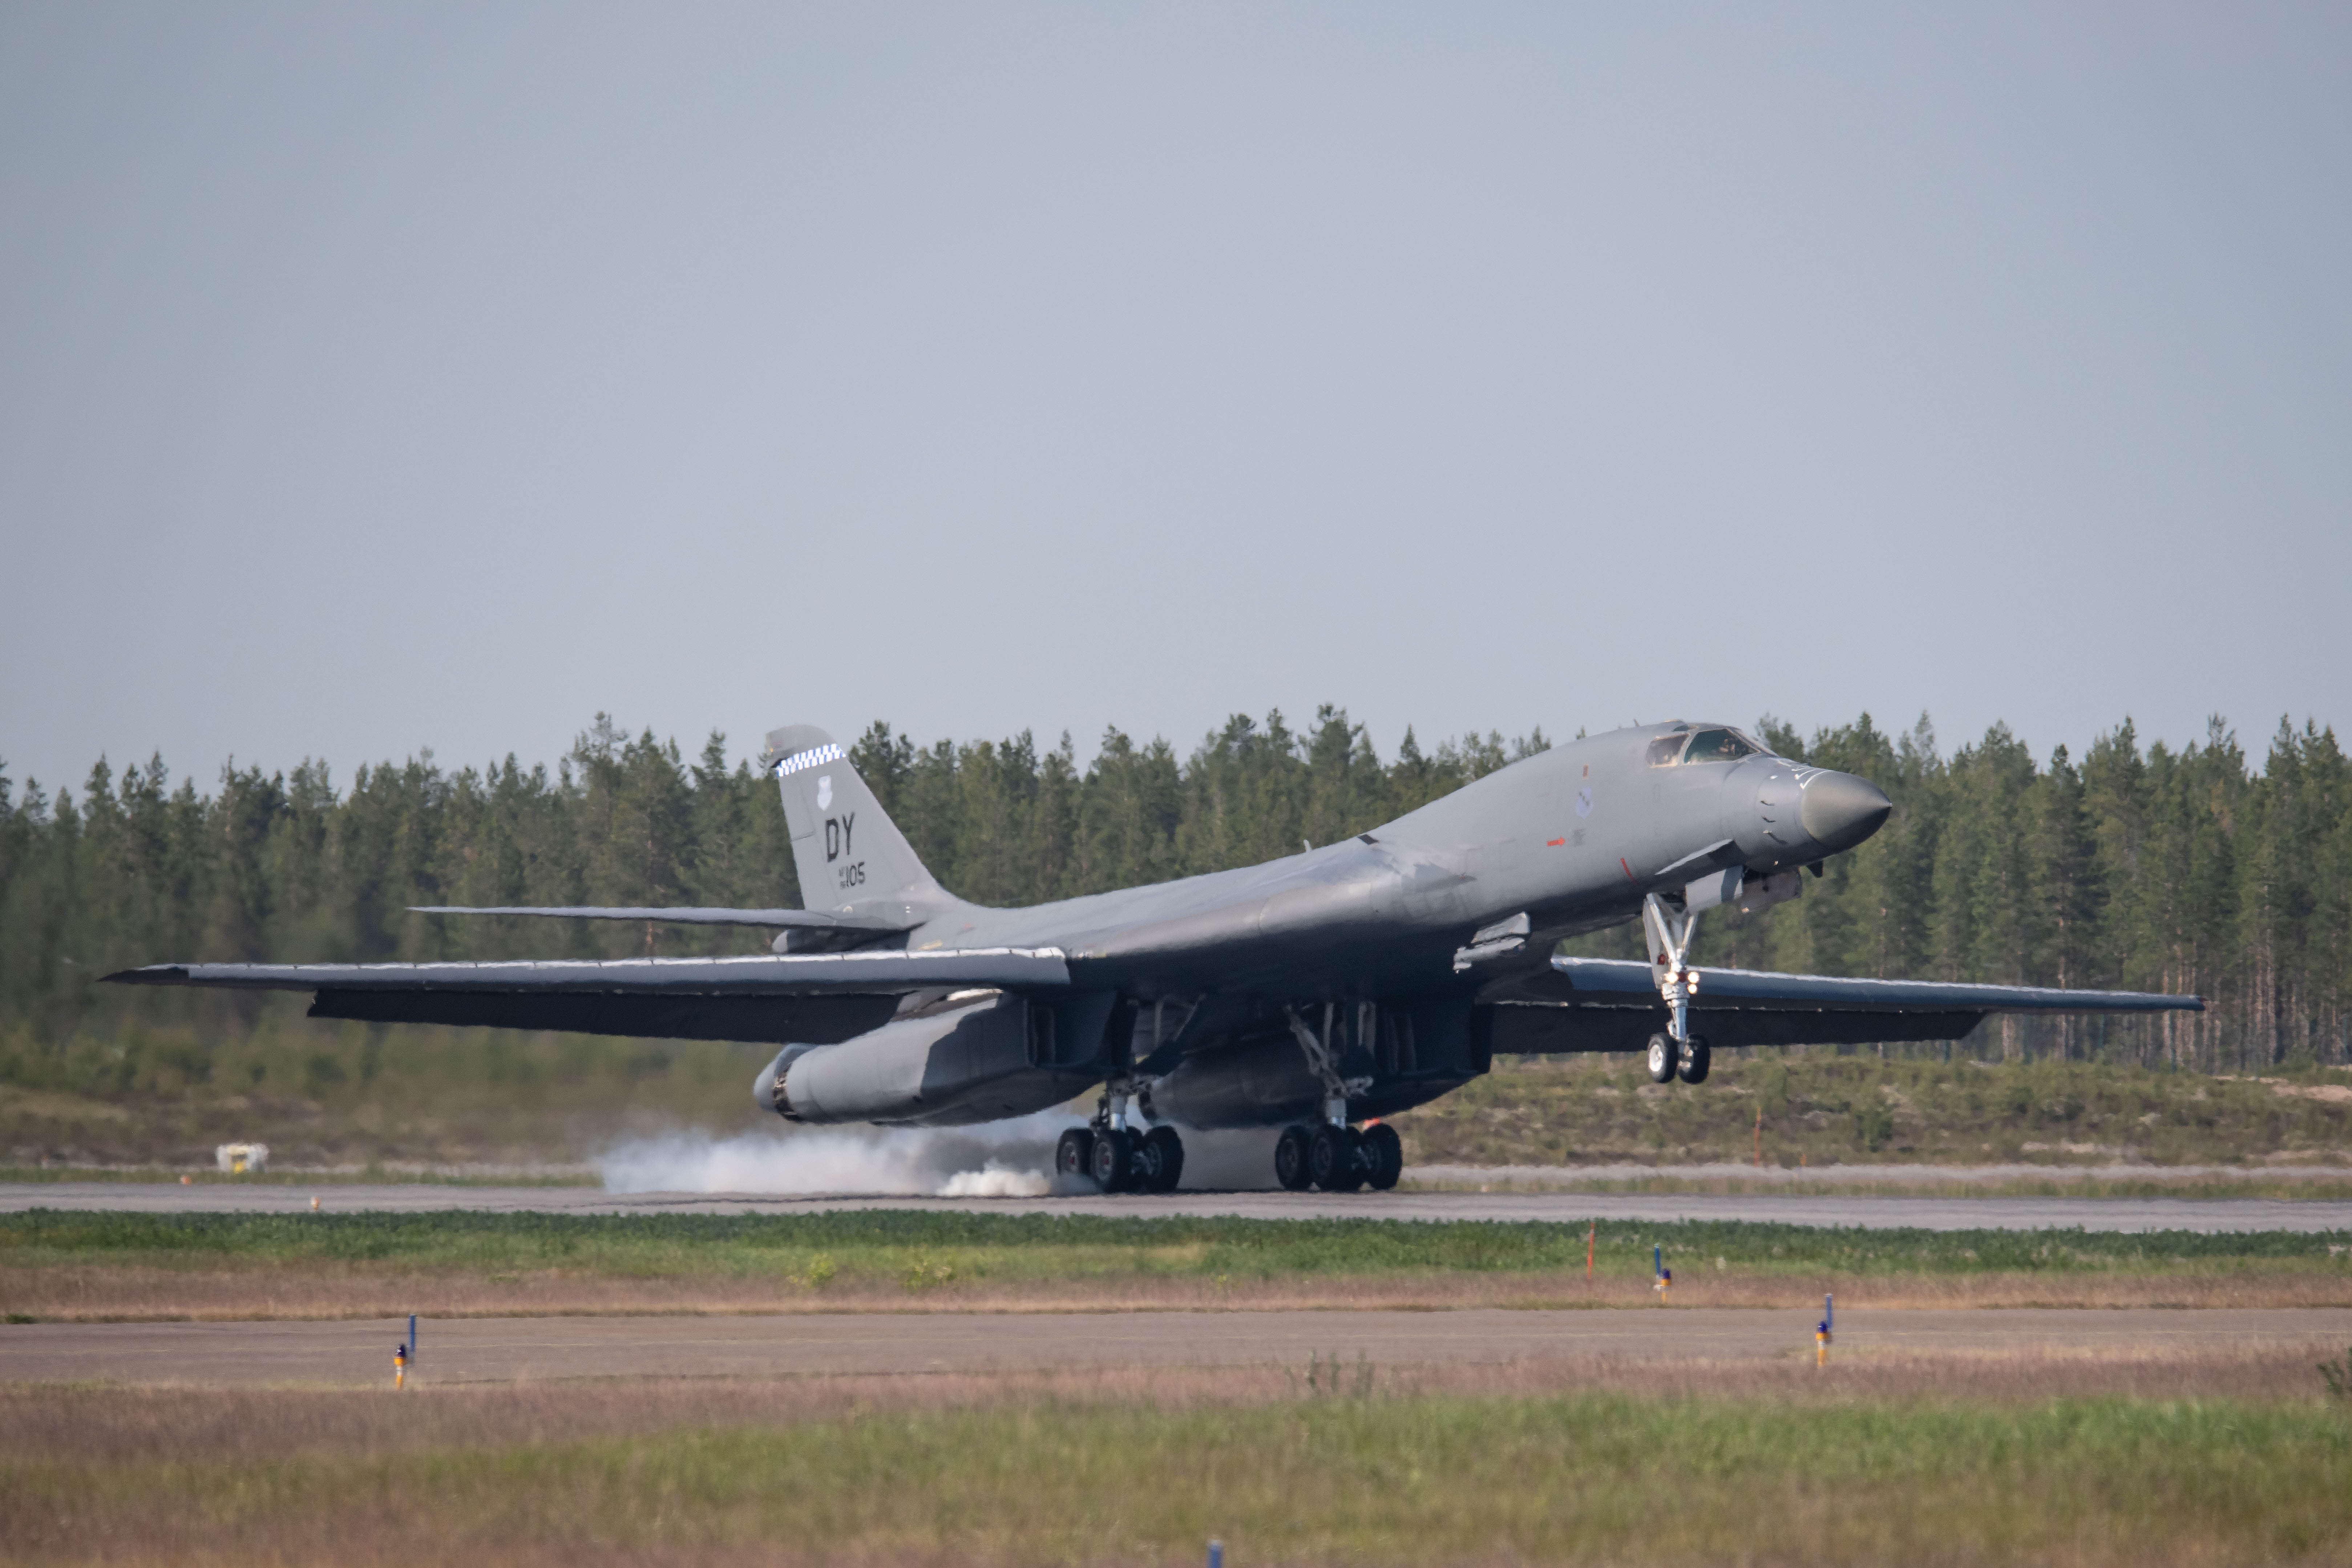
pixel 1694 1059
pixel 1142 1163
pixel 1074 1154
pixel 1290 1159
pixel 1162 1159
pixel 1332 1160
pixel 1384 1154
pixel 1663 1054
pixel 1113 1162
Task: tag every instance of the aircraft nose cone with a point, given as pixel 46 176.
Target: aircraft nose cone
pixel 1840 810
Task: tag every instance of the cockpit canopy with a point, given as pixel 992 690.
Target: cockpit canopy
pixel 1683 745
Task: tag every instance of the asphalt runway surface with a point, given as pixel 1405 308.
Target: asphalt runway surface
pixel 504 1349
pixel 2209 1214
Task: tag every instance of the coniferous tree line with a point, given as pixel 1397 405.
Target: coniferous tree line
pixel 2154 867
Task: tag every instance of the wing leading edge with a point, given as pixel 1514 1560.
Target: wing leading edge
pixel 817 999
pixel 1611 1004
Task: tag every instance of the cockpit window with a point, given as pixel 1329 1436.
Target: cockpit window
pixel 1667 750
pixel 1717 746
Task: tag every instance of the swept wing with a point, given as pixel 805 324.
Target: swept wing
pixel 817 999
pixel 1611 1004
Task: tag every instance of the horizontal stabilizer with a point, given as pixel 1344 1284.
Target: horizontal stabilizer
pixel 773 920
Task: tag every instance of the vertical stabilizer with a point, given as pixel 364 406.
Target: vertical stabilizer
pixel 850 855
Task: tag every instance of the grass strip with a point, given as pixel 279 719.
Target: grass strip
pixel 1368 1478
pixel 1032 1246
pixel 367 1176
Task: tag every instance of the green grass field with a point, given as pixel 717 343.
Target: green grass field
pixel 1370 1477
pixel 353 1096
pixel 1823 1109
pixel 2152 1458
pixel 1060 1245
pixel 106 1264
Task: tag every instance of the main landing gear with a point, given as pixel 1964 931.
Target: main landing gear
pixel 1330 1158
pixel 1122 1160
pixel 1338 1159
pixel 1334 1157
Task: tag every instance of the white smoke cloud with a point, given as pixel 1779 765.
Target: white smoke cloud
pixel 802 1162
pixel 997 1180
pixel 994 1160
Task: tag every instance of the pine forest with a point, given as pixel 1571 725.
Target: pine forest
pixel 2197 868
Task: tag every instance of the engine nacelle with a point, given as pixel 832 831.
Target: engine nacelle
pixel 1259 1083
pixel 948 1068
pixel 1402 1056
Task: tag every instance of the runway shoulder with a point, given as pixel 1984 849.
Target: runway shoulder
pixel 506 1350
pixel 1940 1213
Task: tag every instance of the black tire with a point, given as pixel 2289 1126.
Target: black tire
pixel 1074 1154
pixel 1334 1160
pixel 1290 1159
pixel 1384 1154
pixel 1164 1156
pixel 1695 1060
pixel 1662 1062
pixel 1113 1161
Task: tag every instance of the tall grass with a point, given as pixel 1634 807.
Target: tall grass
pixel 1419 1480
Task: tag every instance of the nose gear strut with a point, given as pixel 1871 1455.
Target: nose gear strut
pixel 1669 931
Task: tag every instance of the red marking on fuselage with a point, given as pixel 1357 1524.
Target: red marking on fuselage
pixel 1554 843
pixel 1627 870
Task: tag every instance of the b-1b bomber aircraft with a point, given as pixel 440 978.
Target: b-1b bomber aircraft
pixel 1316 993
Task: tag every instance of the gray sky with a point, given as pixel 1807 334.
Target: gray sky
pixel 373 378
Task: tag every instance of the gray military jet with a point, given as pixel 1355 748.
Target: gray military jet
pixel 1313 993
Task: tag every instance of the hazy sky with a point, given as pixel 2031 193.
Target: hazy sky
pixel 379 377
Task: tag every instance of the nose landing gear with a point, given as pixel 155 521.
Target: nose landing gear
pixel 1693 1060
pixel 1677 1053
pixel 1688 1059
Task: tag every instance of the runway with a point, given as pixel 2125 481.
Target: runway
pixel 499 1349
pixel 1940 1213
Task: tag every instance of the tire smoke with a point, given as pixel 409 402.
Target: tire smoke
pixel 1012 1159
pixel 998 1159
